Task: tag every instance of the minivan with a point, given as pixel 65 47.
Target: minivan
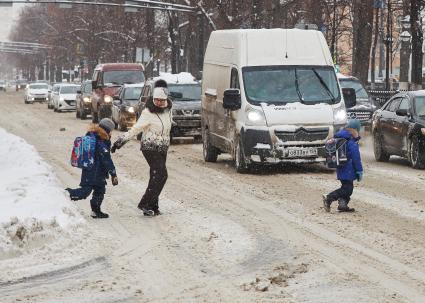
pixel 107 79
pixel 270 96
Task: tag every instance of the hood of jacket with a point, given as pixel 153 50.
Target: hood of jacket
pixel 99 131
pixel 348 133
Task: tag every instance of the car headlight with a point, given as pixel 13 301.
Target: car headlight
pixel 175 112
pixel 423 131
pixel 255 117
pixel 130 109
pixel 340 116
pixel 107 99
pixel 86 99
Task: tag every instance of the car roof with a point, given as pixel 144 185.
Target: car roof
pixel 134 85
pixel 119 66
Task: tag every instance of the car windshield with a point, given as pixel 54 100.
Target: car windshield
pixel 87 88
pixel 420 106
pixel 290 84
pixel 357 86
pixel 39 86
pixel 185 92
pixel 132 93
pixel 68 89
pixel 121 77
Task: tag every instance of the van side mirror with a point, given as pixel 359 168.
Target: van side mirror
pixel 349 95
pixel 116 97
pixel 232 99
pixel 79 92
pixel 401 112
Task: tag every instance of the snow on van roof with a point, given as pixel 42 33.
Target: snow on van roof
pixel 181 78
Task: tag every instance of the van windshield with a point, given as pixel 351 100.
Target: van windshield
pixel 356 85
pixel 120 77
pixel 290 84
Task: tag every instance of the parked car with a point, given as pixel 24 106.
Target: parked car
pixel 107 79
pixel 3 85
pixel 83 106
pixel 273 108
pixel 398 128
pixel 364 107
pixel 66 98
pixel 185 94
pixel 52 93
pixel 124 105
pixel 36 92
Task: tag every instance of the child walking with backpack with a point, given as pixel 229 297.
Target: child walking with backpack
pixel 92 154
pixel 348 172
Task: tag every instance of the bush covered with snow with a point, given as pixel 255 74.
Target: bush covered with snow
pixel 31 198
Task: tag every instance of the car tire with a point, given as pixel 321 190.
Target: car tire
pixel 94 117
pixel 380 154
pixel 210 152
pixel 120 126
pixel 241 165
pixel 77 114
pixel 197 139
pixel 416 154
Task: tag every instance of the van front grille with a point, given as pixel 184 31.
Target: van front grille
pixel 303 135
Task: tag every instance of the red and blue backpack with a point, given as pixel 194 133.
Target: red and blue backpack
pixel 83 152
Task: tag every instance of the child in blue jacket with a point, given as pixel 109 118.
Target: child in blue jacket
pixel 94 180
pixel 352 170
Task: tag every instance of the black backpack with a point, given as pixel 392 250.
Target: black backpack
pixel 336 152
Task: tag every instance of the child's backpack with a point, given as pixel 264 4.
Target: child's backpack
pixel 336 152
pixel 83 152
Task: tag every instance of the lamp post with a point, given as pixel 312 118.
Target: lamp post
pixel 405 38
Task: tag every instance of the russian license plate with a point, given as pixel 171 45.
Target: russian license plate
pixel 303 152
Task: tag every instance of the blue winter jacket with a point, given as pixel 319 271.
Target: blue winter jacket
pixel 103 164
pixel 354 163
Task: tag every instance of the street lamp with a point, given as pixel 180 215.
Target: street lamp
pixel 405 38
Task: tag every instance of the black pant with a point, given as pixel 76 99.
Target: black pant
pixel 344 192
pixel 158 177
pixel 83 192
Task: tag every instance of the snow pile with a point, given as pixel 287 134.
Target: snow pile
pixel 181 78
pixel 31 198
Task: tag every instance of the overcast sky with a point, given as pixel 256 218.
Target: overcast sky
pixel 7 16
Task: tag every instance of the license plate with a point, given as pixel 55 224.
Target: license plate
pixel 303 152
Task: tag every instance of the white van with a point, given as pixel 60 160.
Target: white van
pixel 269 96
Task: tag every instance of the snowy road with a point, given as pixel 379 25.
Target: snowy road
pixel 224 237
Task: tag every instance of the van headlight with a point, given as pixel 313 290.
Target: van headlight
pixel 340 116
pixel 86 99
pixel 255 117
pixel 107 99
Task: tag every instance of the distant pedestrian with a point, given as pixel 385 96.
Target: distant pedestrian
pixel 350 171
pixel 155 125
pixel 94 179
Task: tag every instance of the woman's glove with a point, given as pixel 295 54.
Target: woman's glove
pixel 118 144
pixel 359 175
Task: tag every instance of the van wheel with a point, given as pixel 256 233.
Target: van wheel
pixel 380 154
pixel 415 154
pixel 210 152
pixel 241 164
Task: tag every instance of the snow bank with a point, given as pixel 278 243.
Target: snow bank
pixel 31 198
pixel 181 78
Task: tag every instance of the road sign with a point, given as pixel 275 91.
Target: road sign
pixel 142 55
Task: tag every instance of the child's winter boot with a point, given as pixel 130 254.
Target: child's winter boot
pixel 343 206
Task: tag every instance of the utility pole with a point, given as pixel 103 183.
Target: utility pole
pixel 333 47
pixel 388 42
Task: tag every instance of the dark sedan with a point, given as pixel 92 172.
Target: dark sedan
pixel 186 109
pixel 398 128
pixel 84 100
pixel 124 105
